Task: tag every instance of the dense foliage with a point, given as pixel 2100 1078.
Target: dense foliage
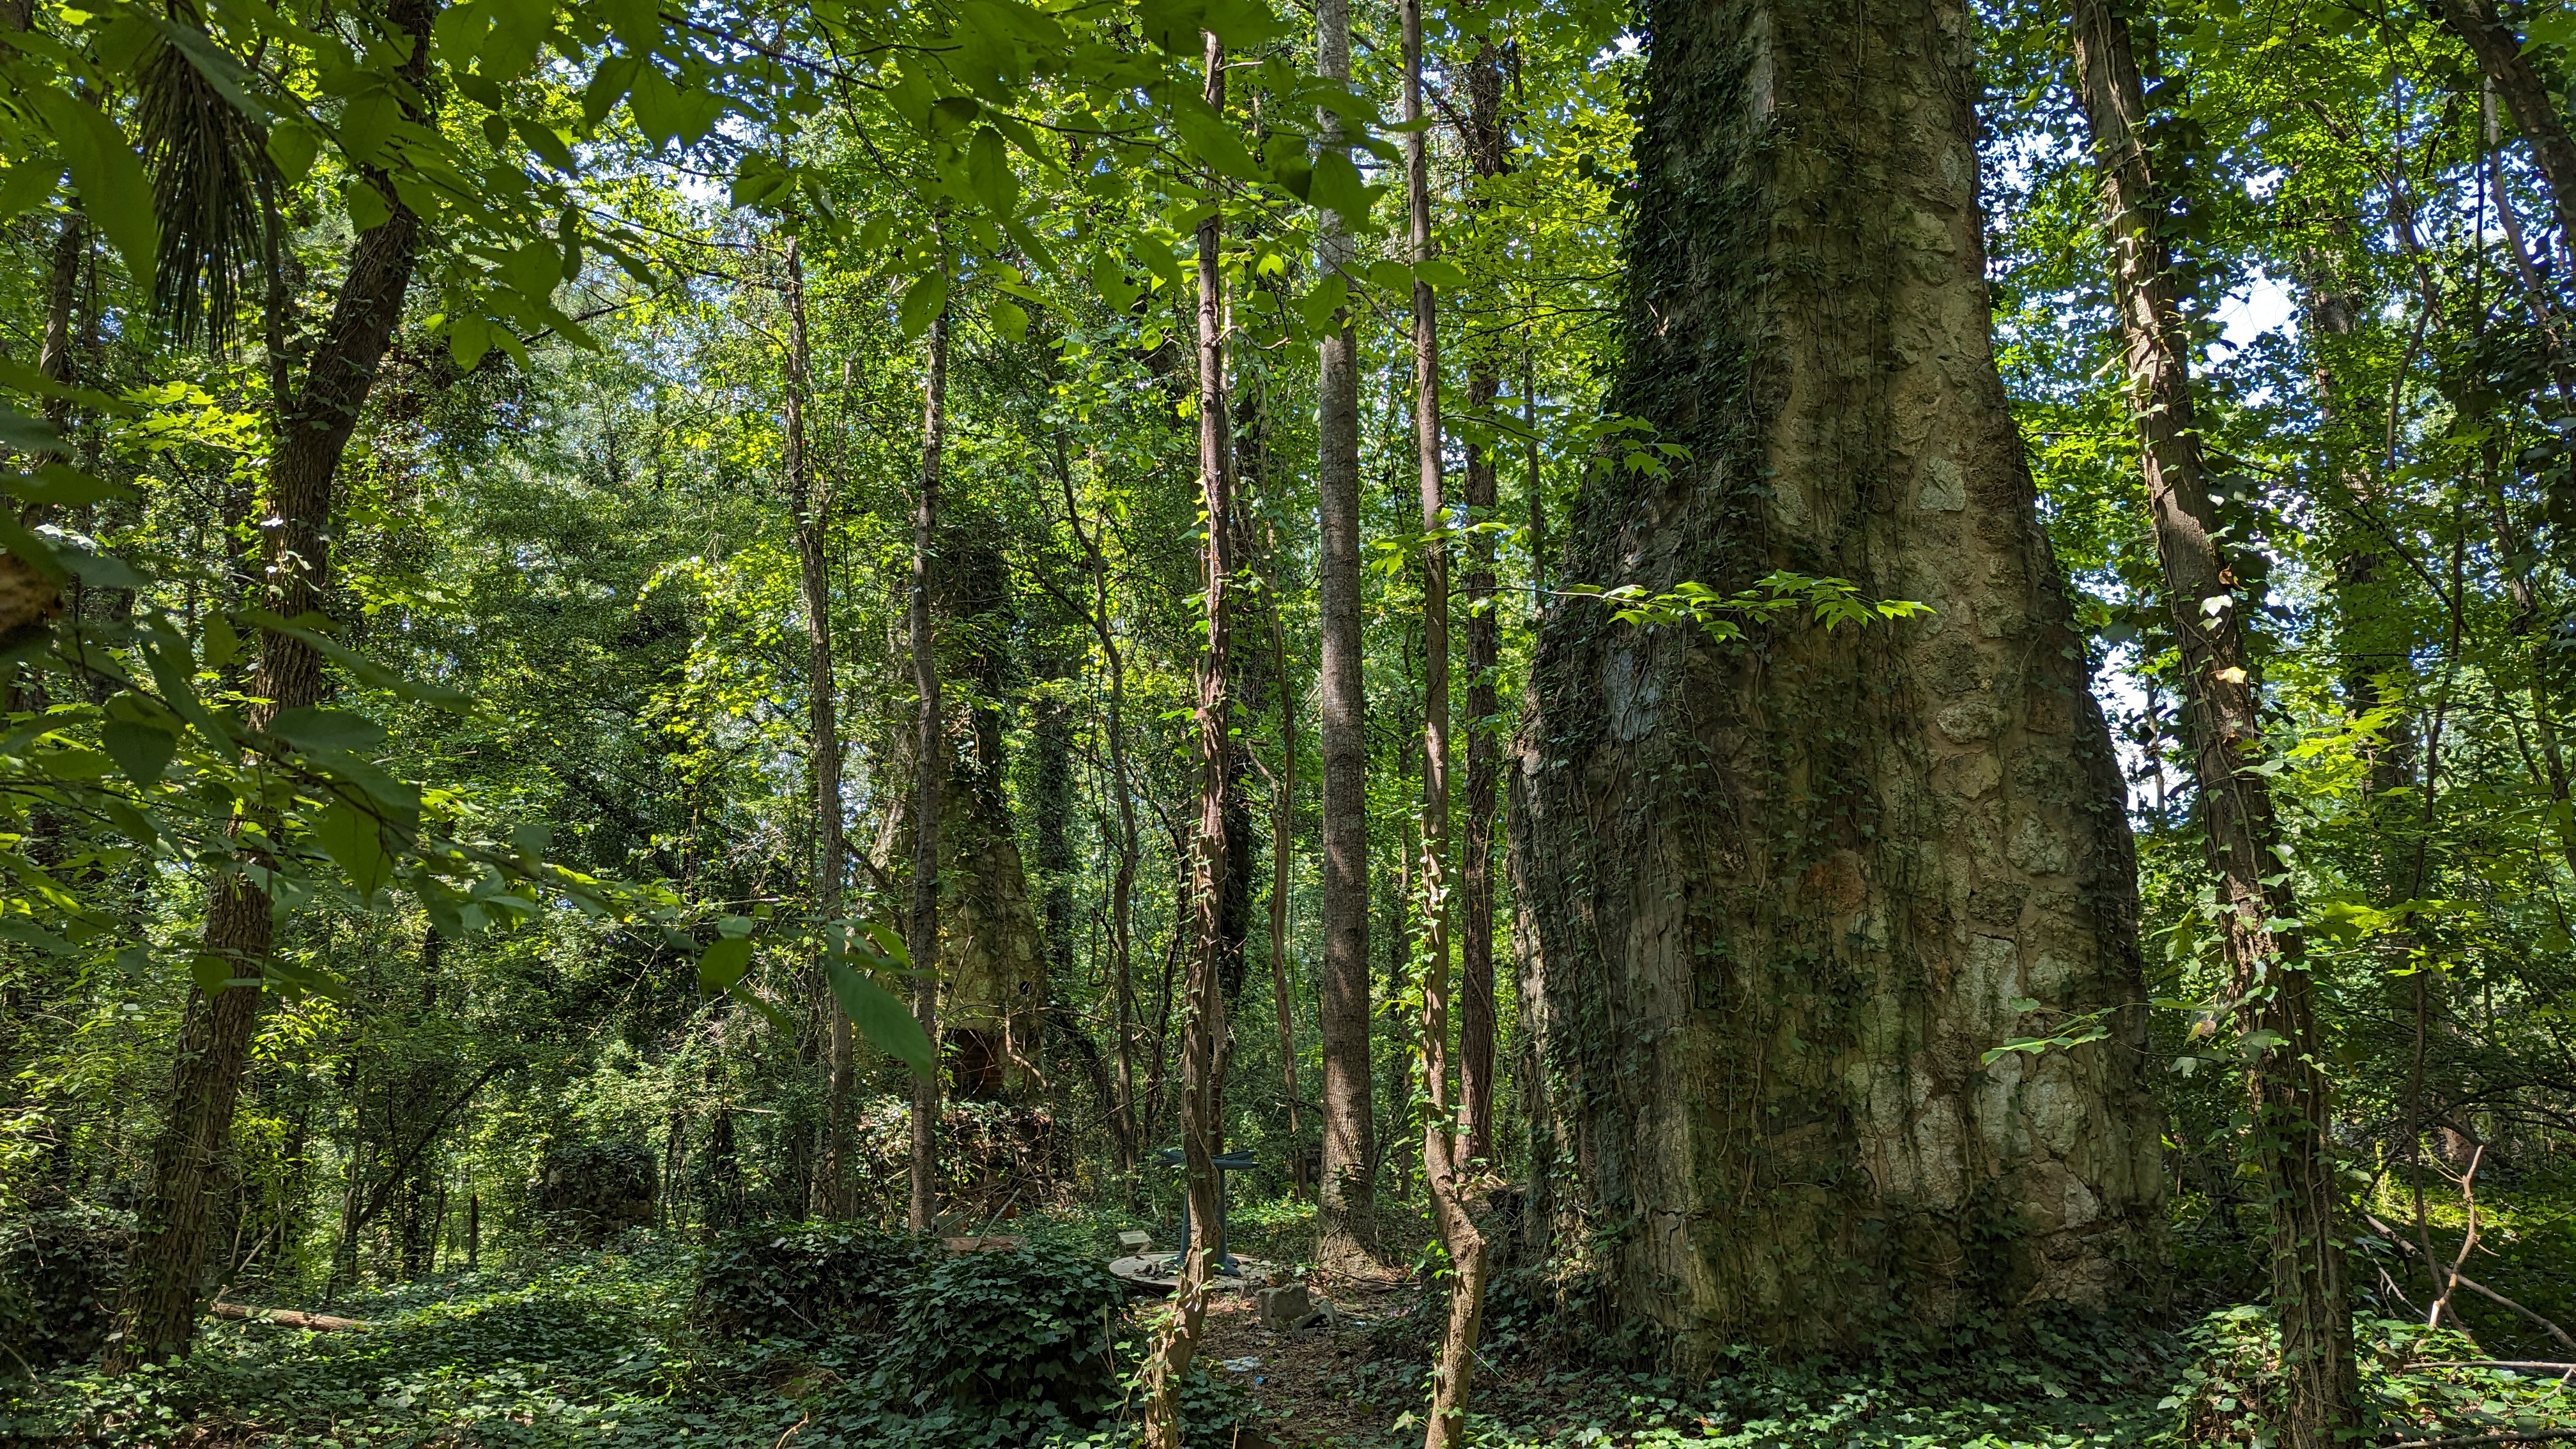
pixel 540 1080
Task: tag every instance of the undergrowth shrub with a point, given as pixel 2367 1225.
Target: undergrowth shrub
pixel 801 1280
pixel 58 1279
pixel 1024 1341
pixel 2415 1381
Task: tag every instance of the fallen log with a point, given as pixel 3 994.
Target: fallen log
pixel 290 1318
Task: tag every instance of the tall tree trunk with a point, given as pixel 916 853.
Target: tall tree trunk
pixel 1283 835
pixel 1442 1171
pixel 1790 888
pixel 157 1314
pixel 2267 968
pixel 992 968
pixel 930 753
pixel 1346 1192
pixel 1203 1012
pixel 2525 95
pixel 837 1172
pixel 1052 735
pixel 1485 151
pixel 1124 1124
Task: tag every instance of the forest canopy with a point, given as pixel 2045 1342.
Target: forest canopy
pixel 1720 721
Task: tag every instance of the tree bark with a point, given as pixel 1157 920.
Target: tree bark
pixel 992 968
pixel 1203 1013
pixel 837 1172
pixel 157 1314
pixel 1443 1172
pixel 1485 152
pixel 2269 977
pixel 1346 1193
pixel 1789 889
pixel 930 751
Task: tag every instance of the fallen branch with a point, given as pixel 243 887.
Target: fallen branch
pixel 2480 1289
pixel 2533 1437
pixel 2499 1363
pixel 290 1318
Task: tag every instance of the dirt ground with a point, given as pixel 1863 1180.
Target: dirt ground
pixel 1305 1385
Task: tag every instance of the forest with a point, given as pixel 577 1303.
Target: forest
pixel 1510 723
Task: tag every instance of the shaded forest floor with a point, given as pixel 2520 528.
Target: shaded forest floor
pixel 601 1347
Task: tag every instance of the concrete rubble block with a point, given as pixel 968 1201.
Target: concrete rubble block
pixel 1281 1308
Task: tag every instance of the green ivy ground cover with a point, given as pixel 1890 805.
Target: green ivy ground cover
pixel 629 1345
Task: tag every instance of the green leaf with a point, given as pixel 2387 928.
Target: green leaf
pixel 327 729
pixel 1322 301
pixel 1109 278
pixel 30 435
pixel 141 750
pixel 297 974
pixel 722 965
pixel 518 29
pixel 222 644
pixel 295 148
pixel 114 192
pixel 889 945
pixel 1337 188
pixel 777 1018
pixel 355 839
pixel 27 184
pixel 1214 140
pixel 988 170
pixel 138 827
pixel 27 932
pixel 1242 24
pixel 659 111
pixel 63 484
pixel 1441 274
pixel 547 142
pixel 1173 25
pixel 366 123
pixel 922 302
pixel 73 764
pixel 172 667
pixel 880 1017
pixel 1010 319
pixel 952 114
pixel 367 209
pixel 23 541
pixel 607 86
pixel 636 23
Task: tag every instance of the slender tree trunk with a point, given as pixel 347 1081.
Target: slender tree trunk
pixel 2269 975
pixel 1442 1171
pixel 26 691
pixel 840 1149
pixel 1283 835
pixel 157 1315
pixel 930 756
pixel 1485 151
pixel 71 247
pixel 1346 1193
pixel 1531 483
pixel 1124 1125
pixel 1789 889
pixel 1203 1014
